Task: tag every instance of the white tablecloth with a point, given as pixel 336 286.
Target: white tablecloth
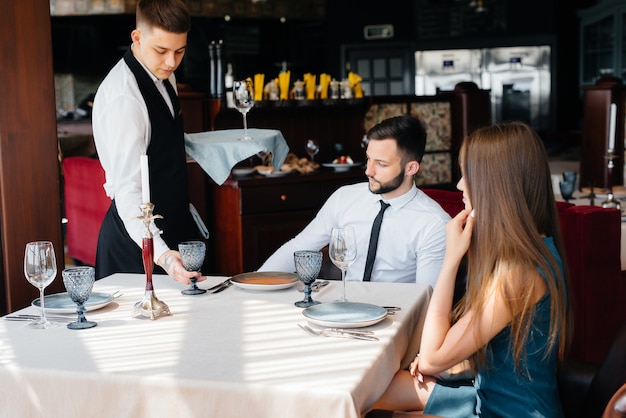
pixel 232 354
pixel 217 152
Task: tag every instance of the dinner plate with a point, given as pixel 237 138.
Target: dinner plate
pixel 61 302
pixel 264 280
pixel 345 314
pixel 341 167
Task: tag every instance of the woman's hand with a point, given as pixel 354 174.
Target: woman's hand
pixel 173 266
pixel 414 369
pixel 458 234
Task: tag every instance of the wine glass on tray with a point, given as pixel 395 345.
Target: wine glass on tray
pixel 78 282
pixel 308 266
pixel 243 98
pixel 40 269
pixel 192 256
pixel 342 252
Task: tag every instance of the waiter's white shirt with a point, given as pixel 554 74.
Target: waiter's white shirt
pixel 121 130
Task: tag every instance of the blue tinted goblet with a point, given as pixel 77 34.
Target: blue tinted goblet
pixel 567 189
pixel 192 257
pixel 78 282
pixel 308 266
pixel 570 176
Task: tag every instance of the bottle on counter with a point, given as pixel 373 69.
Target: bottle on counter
pixel 228 85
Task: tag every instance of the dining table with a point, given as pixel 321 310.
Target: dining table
pixel 235 353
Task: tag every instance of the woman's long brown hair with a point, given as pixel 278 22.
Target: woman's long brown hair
pixel 508 180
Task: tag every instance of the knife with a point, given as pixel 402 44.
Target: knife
pixel 224 283
pixel 24 317
pixel 344 334
pixel 224 286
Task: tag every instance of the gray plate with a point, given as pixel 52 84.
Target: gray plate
pixel 61 302
pixel 345 314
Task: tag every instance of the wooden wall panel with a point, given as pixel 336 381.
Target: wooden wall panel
pixel 30 207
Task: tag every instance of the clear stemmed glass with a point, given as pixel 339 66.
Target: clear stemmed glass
pixel 192 256
pixel 40 268
pixel 308 266
pixel 78 282
pixel 243 97
pixel 342 252
pixel 312 148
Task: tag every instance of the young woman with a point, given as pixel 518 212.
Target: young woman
pixel 512 322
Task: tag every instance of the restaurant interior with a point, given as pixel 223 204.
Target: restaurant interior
pixel 456 64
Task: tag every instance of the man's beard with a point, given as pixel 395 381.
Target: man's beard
pixel 390 186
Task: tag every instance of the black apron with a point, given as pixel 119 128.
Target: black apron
pixel 117 252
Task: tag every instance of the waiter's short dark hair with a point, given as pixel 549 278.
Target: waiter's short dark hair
pixel 408 132
pixel 169 15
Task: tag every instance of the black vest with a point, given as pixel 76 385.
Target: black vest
pixel 117 252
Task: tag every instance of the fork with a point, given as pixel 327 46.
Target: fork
pixel 357 335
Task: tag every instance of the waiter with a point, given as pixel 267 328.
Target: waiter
pixel 136 112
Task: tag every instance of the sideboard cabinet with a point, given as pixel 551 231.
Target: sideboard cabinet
pixel 253 216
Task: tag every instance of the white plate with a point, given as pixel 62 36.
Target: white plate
pixel 341 167
pixel 274 174
pixel 345 314
pixel 61 302
pixel 265 280
pixel 242 172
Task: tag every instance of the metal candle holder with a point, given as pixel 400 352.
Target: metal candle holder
pixel 610 201
pixel 150 306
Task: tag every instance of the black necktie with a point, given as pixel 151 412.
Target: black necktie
pixel 371 251
pixel 173 97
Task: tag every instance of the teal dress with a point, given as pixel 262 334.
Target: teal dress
pixel 499 390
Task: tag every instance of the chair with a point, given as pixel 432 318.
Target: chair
pixel 585 388
pixel 85 206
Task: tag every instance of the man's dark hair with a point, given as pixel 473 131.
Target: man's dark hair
pixel 408 132
pixel 169 15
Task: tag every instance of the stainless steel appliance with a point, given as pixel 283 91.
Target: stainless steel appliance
pixel 519 78
pixel 520 82
pixel 442 70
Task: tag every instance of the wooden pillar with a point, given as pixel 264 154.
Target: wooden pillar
pixel 30 204
pixel 596 115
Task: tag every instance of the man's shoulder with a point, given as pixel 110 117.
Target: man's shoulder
pixel 118 83
pixel 427 204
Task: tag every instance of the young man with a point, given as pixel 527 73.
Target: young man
pixel 136 112
pixel 411 243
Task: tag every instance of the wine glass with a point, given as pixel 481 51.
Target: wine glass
pixel 308 266
pixel 243 97
pixel 312 148
pixel 342 252
pixel 40 268
pixel 192 257
pixel 78 282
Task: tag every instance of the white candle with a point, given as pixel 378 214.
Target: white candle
pixel 612 126
pixel 145 178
